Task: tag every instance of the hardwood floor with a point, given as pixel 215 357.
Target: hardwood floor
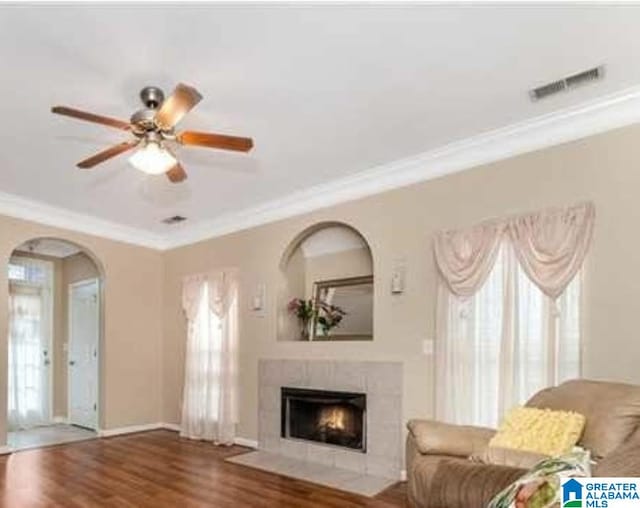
pixel 158 469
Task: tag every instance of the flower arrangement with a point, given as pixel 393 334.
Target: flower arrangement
pixel 304 311
pixel 329 316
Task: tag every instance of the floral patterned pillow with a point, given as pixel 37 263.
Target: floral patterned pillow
pixel 540 487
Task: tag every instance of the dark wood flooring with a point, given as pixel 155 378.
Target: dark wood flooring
pixel 158 469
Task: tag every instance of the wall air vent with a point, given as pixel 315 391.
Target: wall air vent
pixel 567 83
pixel 176 219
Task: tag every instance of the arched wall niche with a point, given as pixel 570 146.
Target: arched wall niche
pixel 329 267
pixel 93 269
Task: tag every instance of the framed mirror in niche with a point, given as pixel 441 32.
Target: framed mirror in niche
pixel 343 309
pixel 327 286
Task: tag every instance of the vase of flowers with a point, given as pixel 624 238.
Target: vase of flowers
pixel 329 316
pixel 304 311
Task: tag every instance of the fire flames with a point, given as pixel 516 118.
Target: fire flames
pixel 333 418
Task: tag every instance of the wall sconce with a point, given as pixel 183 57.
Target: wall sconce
pixel 398 278
pixel 258 301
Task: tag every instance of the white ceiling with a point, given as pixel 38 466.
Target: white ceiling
pixel 325 91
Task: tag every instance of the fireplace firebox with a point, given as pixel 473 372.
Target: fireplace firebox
pixel 334 418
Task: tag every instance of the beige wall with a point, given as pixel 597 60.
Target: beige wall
pixel 131 391
pixel 400 225
pixel 77 268
pixel 293 285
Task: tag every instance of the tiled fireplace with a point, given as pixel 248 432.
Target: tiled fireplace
pixel 345 414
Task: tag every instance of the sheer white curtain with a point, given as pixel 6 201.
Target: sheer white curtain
pixel 501 334
pixel 29 342
pixel 504 343
pixel 209 406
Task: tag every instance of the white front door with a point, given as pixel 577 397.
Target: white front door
pixel 83 351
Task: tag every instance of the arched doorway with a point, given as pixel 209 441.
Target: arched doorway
pixel 55 329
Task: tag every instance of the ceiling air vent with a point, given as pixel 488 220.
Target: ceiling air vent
pixel 567 83
pixel 176 219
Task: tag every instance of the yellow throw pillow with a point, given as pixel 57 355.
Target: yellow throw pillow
pixel 539 430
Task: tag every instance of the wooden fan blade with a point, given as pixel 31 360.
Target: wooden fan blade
pixel 221 141
pixel 177 174
pixel 90 117
pixel 176 106
pixel 107 154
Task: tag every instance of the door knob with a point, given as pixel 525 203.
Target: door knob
pixel 47 361
pixel 72 362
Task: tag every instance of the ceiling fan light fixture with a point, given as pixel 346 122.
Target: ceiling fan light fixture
pixel 150 127
pixel 153 159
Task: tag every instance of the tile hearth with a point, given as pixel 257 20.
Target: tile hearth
pixel 336 478
pixel 382 382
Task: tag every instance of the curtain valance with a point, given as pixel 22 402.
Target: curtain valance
pixel 551 246
pixel 223 287
pixel 192 288
pixel 465 257
pixel 222 290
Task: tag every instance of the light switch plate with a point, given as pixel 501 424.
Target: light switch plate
pixel 428 347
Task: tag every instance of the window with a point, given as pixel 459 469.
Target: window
pixel 508 310
pixel 207 349
pixel 30 336
pixel 27 270
pixel 209 403
pixel 17 272
pixel 508 341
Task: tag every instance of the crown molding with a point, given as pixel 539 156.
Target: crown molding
pixel 606 113
pixel 36 211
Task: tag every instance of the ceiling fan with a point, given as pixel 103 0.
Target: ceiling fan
pixel 153 131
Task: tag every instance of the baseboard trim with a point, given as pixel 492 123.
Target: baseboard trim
pixel 60 419
pixel 6 450
pixel 240 441
pixel 131 429
pixel 249 443
pixel 174 427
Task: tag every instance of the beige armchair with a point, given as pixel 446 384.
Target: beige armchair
pixel 444 468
